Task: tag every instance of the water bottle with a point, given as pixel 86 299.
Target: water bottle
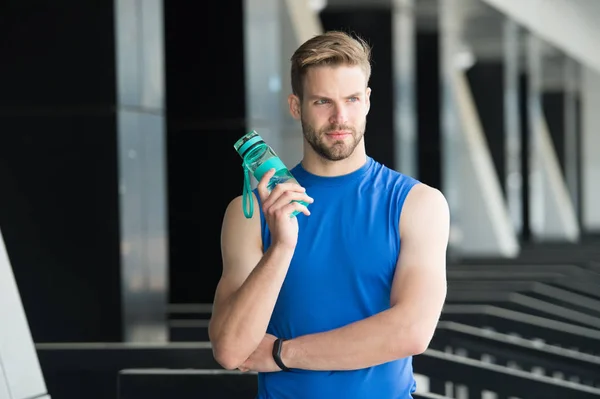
pixel 258 158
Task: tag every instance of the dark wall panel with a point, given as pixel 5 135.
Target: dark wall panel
pixel 58 166
pixel 59 218
pixel 525 148
pixel 553 103
pixel 199 196
pixel 428 108
pixel 56 54
pixel 204 50
pixel 487 85
pixel 206 115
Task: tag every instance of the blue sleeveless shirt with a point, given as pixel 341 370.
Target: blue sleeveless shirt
pixel 341 272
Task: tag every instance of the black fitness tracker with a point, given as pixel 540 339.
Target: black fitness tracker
pixel 277 354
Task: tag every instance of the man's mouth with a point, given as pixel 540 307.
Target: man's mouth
pixel 338 134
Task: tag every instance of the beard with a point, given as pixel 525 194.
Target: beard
pixel 340 149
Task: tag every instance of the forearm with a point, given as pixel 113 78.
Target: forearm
pixel 244 317
pixel 369 342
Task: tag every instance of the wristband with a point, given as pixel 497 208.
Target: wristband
pixel 277 354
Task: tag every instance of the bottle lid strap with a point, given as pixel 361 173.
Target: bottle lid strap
pixel 247 196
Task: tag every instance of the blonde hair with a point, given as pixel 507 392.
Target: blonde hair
pixel 332 48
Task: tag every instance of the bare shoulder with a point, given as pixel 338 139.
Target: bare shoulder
pixel 241 250
pixel 235 211
pixel 240 236
pixel 425 209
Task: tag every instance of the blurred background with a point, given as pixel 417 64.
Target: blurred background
pixel 117 125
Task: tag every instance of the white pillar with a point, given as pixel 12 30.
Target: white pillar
pixel 591 150
pixel 512 123
pixel 139 40
pixel 552 214
pixel 262 65
pixel 481 224
pixel 405 109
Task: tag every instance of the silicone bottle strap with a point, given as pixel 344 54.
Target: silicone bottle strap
pixel 247 193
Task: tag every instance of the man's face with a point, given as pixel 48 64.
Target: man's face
pixel 334 110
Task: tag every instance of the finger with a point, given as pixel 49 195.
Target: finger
pixel 283 200
pixel 288 186
pixel 300 208
pixel 290 208
pixel 289 191
pixel 281 188
pixel 263 192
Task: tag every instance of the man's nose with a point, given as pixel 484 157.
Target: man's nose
pixel 338 116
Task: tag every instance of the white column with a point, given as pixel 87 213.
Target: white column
pixel 590 160
pixel 512 124
pixel 481 224
pixel 139 40
pixel 405 110
pixel 262 65
pixel 552 215
pixel 452 146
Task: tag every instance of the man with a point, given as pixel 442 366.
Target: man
pixel 332 303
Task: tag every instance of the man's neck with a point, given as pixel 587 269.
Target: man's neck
pixel 317 165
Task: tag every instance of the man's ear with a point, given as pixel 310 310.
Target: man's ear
pixel 368 100
pixel 294 104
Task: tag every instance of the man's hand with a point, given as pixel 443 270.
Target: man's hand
pixel 278 206
pixel 261 360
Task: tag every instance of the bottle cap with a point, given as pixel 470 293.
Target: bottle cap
pixel 248 141
pixel 242 146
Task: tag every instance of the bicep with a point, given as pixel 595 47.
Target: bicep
pixel 419 285
pixel 241 249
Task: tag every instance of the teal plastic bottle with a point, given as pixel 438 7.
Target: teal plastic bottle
pixel 258 158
